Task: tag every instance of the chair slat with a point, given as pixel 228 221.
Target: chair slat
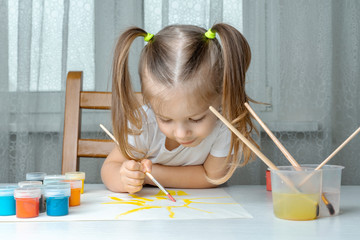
pixel 95 100
pixel 71 122
pixel 95 148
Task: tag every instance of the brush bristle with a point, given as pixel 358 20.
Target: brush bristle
pixel 331 209
pixel 171 198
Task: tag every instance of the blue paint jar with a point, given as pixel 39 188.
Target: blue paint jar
pixel 7 200
pixel 57 198
pixel 35 176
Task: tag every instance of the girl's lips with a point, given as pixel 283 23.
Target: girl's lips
pixel 187 143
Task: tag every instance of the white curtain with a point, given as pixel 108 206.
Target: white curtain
pixel 305 63
pixel 40 41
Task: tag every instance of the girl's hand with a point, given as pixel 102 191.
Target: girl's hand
pixel 133 174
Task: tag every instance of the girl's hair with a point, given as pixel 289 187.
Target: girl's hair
pixel 182 54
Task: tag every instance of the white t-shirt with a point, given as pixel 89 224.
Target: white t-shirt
pixel 153 140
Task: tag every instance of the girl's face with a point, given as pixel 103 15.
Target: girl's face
pixel 182 119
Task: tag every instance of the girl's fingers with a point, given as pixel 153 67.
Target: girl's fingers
pixel 133 189
pixel 132 165
pixel 135 174
pixel 146 165
pixel 135 182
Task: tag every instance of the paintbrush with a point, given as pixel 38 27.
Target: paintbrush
pixel 147 173
pixel 333 153
pixel 262 157
pixel 290 158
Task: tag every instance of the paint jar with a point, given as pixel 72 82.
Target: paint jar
pixel 7 200
pixel 331 184
pixel 57 198
pixel 76 176
pixel 27 201
pixel 36 184
pixel 53 178
pixel 75 185
pixel 35 176
pixel 296 194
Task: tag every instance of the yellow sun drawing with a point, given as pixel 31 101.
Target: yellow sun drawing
pixel 148 203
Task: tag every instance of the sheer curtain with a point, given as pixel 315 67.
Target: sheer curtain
pixel 305 62
pixel 40 41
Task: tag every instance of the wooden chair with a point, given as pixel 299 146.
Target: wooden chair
pixel 73 146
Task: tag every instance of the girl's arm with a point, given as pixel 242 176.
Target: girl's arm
pixel 189 176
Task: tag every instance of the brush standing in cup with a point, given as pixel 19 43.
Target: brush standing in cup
pixel 331 173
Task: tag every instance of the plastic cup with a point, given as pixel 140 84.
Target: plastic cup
pixel 75 185
pixel 331 185
pixel 53 178
pixel 293 197
pixel 7 200
pixel 57 198
pixel 27 202
pixel 35 176
pixel 76 176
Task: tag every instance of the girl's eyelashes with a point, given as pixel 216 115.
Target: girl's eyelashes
pixel 164 120
pixel 197 120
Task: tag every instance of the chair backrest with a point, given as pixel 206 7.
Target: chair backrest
pixel 73 146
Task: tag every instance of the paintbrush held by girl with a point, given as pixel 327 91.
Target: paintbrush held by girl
pixel 183 70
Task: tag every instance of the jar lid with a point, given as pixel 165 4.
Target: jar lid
pixel 27 192
pixel 75 175
pixel 26 183
pixel 7 190
pixel 74 183
pixel 57 189
pixel 53 178
pixel 33 176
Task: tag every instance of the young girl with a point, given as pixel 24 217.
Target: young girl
pixel 183 70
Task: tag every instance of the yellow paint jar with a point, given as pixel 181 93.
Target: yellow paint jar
pixel 76 176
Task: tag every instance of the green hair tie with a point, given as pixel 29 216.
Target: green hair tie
pixel 210 34
pixel 148 37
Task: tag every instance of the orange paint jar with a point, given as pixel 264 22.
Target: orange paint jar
pixel 27 202
pixel 76 176
pixel 76 186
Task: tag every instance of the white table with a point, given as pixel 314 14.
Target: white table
pixel 255 199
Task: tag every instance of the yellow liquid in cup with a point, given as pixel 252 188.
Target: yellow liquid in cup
pixel 296 206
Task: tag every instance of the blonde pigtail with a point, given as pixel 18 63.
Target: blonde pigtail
pixel 236 55
pixel 126 111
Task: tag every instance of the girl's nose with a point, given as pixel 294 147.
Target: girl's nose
pixel 182 131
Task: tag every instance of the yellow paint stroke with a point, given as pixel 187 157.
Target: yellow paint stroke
pixel 161 198
pixel 143 202
pixel 146 199
pixel 173 193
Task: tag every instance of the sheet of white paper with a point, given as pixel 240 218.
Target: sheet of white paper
pixel 149 204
